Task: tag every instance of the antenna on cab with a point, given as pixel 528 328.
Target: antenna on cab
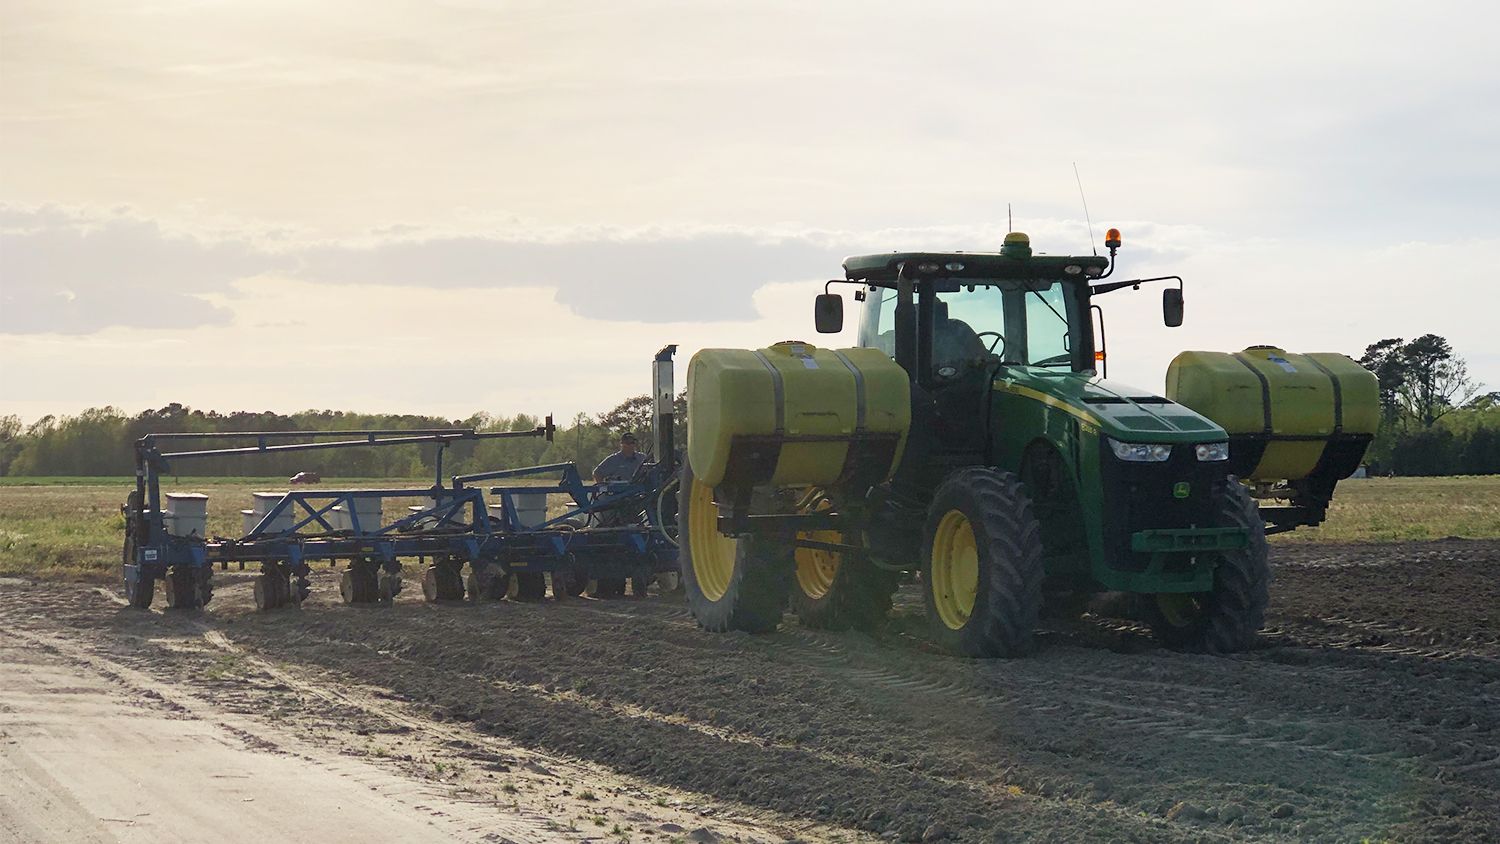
pixel 1092 245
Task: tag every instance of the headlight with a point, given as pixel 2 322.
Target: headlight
pixel 1210 452
pixel 1141 452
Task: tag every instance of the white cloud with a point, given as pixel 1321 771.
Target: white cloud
pixel 1322 174
pixel 379 348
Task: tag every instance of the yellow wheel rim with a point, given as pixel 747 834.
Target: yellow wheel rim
pixel 1178 610
pixel 713 553
pixel 816 567
pixel 955 570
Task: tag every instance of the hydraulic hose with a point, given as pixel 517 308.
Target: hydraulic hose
pixel 660 497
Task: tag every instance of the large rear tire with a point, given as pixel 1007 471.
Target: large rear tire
pixel 833 590
pixel 731 583
pixel 1227 619
pixel 982 567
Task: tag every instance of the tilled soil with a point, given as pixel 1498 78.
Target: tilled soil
pixel 1370 708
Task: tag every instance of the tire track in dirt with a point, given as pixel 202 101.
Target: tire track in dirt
pixel 1202 723
pixel 490 705
pixel 1369 721
pixel 1205 721
pixel 338 699
pixel 1422 642
pixel 831 655
pixel 457 820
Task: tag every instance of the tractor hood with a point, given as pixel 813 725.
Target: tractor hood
pixel 1121 411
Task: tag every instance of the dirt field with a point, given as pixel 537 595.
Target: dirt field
pixel 1371 711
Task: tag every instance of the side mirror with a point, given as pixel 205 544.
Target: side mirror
pixel 1171 307
pixel 828 313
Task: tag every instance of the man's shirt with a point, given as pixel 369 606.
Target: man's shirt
pixel 618 467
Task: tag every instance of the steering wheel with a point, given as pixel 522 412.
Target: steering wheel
pixel 999 340
pixel 640 471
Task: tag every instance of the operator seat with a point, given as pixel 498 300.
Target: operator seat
pixel 960 400
pixel 954 343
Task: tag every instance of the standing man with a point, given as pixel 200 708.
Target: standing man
pixel 622 465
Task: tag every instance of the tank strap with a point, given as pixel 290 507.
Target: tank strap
pixel 1265 388
pixel 859 391
pixel 1338 396
pixel 778 390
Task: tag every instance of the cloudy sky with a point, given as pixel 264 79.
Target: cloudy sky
pixel 508 207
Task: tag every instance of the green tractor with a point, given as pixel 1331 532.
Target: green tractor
pixel 971 438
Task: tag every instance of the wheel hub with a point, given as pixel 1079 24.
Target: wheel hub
pixel 955 570
pixel 712 552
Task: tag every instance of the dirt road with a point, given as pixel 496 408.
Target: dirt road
pixel 1371 710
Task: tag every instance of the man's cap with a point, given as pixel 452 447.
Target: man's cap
pixel 627 437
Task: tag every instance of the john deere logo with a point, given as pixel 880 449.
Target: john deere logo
pixel 1181 489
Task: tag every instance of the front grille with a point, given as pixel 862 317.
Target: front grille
pixel 1139 496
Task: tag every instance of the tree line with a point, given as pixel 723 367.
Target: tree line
pixel 100 442
pixel 1434 421
pixel 1433 418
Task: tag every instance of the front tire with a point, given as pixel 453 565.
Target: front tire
pixel 530 585
pixel 188 588
pixel 359 583
pixel 139 592
pixel 1227 619
pixel 486 582
pixel 731 583
pixel 982 567
pixel 442 581
pixel 606 588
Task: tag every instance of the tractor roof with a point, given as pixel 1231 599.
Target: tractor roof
pixel 884 266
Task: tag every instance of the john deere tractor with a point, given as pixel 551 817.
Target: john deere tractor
pixel 971 438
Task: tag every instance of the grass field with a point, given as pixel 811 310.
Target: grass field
pixel 1395 509
pixel 194 483
pixel 71 527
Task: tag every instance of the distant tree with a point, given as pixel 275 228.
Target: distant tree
pixel 1435 381
pixel 1429 451
pixel 10 440
pixel 98 441
pixel 1480 454
pixel 635 414
pixel 632 415
pixel 1484 402
pixel 1384 358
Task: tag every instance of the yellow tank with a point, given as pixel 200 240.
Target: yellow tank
pixel 1292 405
pixel 789 415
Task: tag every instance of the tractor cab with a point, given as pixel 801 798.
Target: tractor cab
pixel 955 321
pixel 942 315
pixel 964 322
